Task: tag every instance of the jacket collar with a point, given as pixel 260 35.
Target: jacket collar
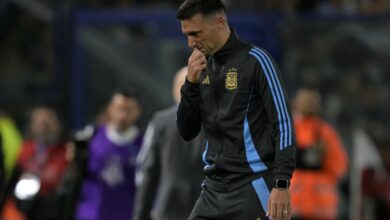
pixel 232 43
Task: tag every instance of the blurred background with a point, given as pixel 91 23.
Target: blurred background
pixel 72 54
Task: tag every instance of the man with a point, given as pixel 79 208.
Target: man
pixel 108 189
pixel 234 91
pixel 314 187
pixel 165 159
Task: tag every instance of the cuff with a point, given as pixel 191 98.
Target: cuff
pixel 191 88
pixel 281 176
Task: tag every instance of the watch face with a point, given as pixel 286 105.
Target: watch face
pixel 283 184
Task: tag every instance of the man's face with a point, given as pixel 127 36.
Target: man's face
pixel 45 125
pixel 202 33
pixel 307 102
pixel 123 112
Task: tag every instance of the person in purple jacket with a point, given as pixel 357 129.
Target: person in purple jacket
pixel 107 192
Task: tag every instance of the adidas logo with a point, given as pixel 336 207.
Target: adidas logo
pixel 206 81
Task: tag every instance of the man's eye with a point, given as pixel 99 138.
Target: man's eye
pixel 193 34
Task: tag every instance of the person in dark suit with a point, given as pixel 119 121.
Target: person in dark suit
pixel 170 177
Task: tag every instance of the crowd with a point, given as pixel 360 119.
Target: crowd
pixel 91 174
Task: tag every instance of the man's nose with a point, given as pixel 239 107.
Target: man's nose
pixel 191 42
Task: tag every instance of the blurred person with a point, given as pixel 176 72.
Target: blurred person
pixel 234 90
pixel 39 169
pixel 77 155
pixel 108 189
pixel 375 7
pixel 321 161
pixel 171 167
pixel 370 173
pixel 376 188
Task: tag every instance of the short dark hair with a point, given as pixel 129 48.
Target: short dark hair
pixel 128 92
pixel 190 8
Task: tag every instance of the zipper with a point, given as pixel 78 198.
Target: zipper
pixel 216 72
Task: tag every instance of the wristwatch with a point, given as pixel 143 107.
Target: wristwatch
pixel 281 184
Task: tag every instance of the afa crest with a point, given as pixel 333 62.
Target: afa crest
pixel 231 79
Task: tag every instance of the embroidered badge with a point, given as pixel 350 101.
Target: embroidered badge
pixel 231 79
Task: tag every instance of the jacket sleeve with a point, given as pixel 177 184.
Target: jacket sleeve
pixel 274 97
pixel 188 114
pixel 149 163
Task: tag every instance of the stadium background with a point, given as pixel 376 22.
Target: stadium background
pixel 73 54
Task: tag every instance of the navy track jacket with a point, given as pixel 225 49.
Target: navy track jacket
pixel 243 108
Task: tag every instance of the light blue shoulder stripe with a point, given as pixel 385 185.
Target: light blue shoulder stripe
pixel 275 96
pixel 288 121
pixel 278 96
pixel 276 82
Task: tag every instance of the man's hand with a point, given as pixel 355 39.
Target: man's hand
pixel 279 204
pixel 196 63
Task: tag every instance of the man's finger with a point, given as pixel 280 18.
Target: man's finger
pixel 196 58
pixel 192 54
pixel 268 211
pixel 279 212
pixel 200 62
pixel 273 211
pixel 285 212
pixel 197 52
pixel 289 212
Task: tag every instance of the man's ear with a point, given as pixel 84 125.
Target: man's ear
pixel 220 20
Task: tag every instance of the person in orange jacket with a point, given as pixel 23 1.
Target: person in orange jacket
pixel 320 158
